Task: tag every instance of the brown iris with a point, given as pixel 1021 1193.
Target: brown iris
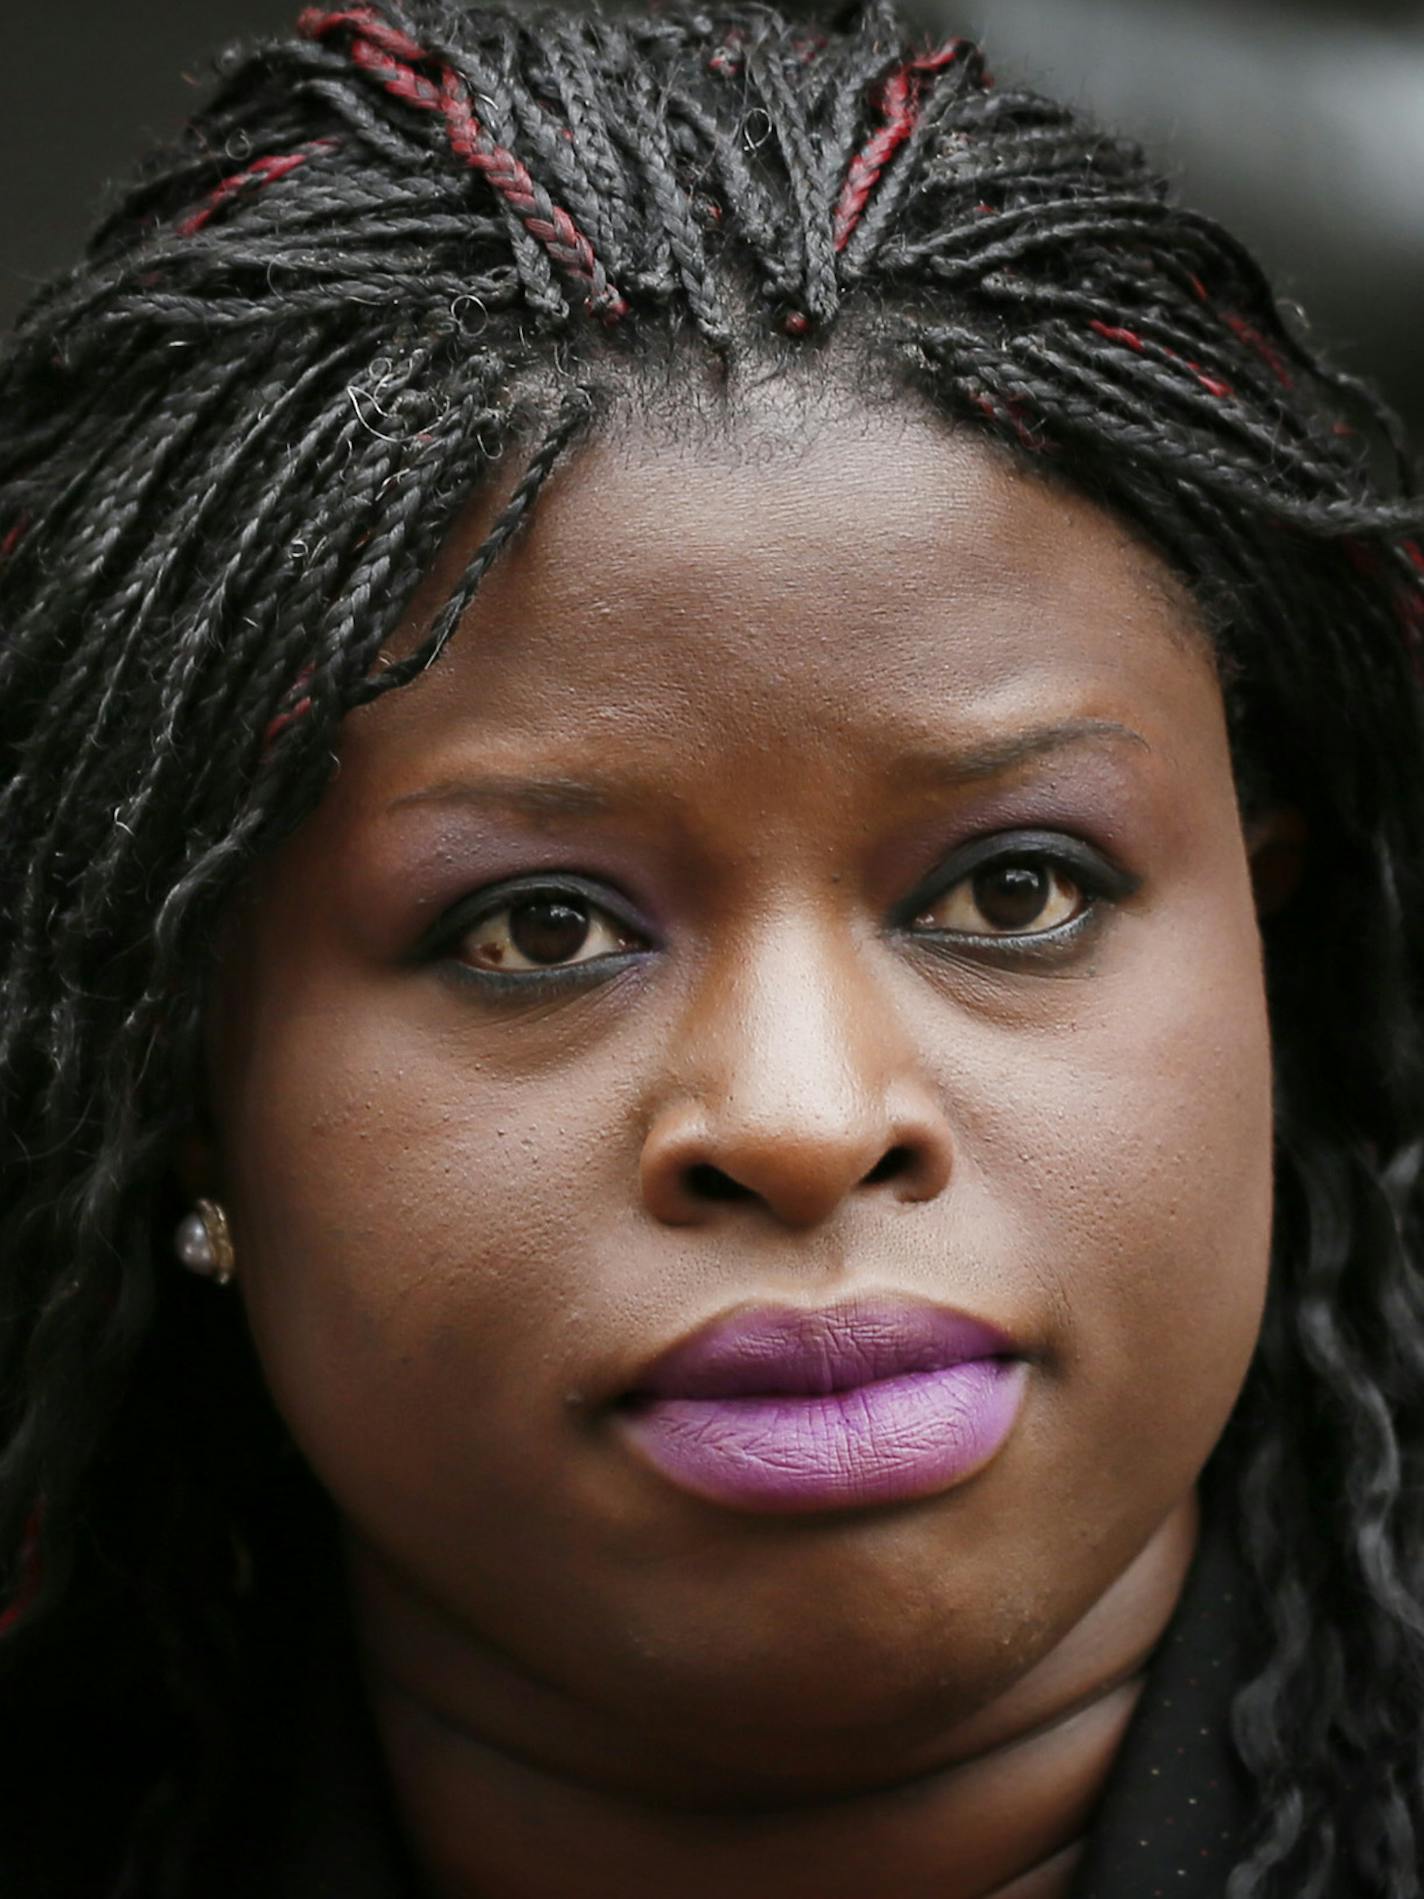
pixel 548 929
pixel 1012 896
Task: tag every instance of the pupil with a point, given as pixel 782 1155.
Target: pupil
pixel 548 930
pixel 1012 896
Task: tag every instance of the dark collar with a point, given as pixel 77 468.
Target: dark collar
pixel 1175 1814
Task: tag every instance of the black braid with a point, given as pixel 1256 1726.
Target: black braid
pixel 236 437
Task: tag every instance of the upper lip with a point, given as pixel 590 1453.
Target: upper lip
pixel 768 1350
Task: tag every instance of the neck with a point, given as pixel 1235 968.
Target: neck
pixel 501 1801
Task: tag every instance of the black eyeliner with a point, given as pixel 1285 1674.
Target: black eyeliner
pixel 467 911
pixel 1093 874
pixel 1100 881
pixel 540 985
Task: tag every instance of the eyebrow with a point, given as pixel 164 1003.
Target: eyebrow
pixel 550 797
pixel 559 797
pixel 998 756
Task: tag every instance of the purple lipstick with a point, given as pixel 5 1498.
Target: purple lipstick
pixel 784 1411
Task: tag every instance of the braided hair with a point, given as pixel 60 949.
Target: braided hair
pixel 396 250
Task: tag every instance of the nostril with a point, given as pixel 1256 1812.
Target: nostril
pixel 706 1182
pixel 894 1162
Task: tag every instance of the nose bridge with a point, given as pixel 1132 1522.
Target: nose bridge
pixel 792 1045
pixel 798 1082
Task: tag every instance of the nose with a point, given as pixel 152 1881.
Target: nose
pixel 800 1088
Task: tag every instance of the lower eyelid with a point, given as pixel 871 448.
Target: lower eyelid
pixel 1045 948
pixel 533 985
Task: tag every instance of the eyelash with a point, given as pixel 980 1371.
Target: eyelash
pixel 1098 881
pixel 526 983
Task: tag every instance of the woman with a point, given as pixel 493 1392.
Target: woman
pixel 712 790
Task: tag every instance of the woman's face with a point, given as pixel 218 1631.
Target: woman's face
pixel 810 891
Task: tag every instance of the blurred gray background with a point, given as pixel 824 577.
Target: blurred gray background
pixel 1300 123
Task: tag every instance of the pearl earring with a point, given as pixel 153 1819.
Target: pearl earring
pixel 204 1243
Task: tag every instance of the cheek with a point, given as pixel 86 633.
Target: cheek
pixel 413 1252
pixel 1140 1187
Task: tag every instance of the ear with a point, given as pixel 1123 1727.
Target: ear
pixel 1276 848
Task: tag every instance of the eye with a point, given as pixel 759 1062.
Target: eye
pixel 543 929
pixel 1023 895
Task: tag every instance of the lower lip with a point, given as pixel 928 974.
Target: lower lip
pixel 885 1442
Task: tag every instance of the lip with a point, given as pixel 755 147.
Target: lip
pixel 779 1409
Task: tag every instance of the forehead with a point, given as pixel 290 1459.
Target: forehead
pixel 801 566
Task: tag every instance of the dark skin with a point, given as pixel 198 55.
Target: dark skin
pixel 469 1205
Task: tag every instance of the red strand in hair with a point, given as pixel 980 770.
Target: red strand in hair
pixel 313 24
pixel 299 703
pixel 262 171
pixel 897 99
pixel 1250 335
pixel 726 61
pixel 1411 602
pixel 14 534
pixel 1213 385
pixel 1268 354
pixel 1408 597
pixel 29 1583
pixel 392 58
pixel 1114 333
pixel 1013 414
